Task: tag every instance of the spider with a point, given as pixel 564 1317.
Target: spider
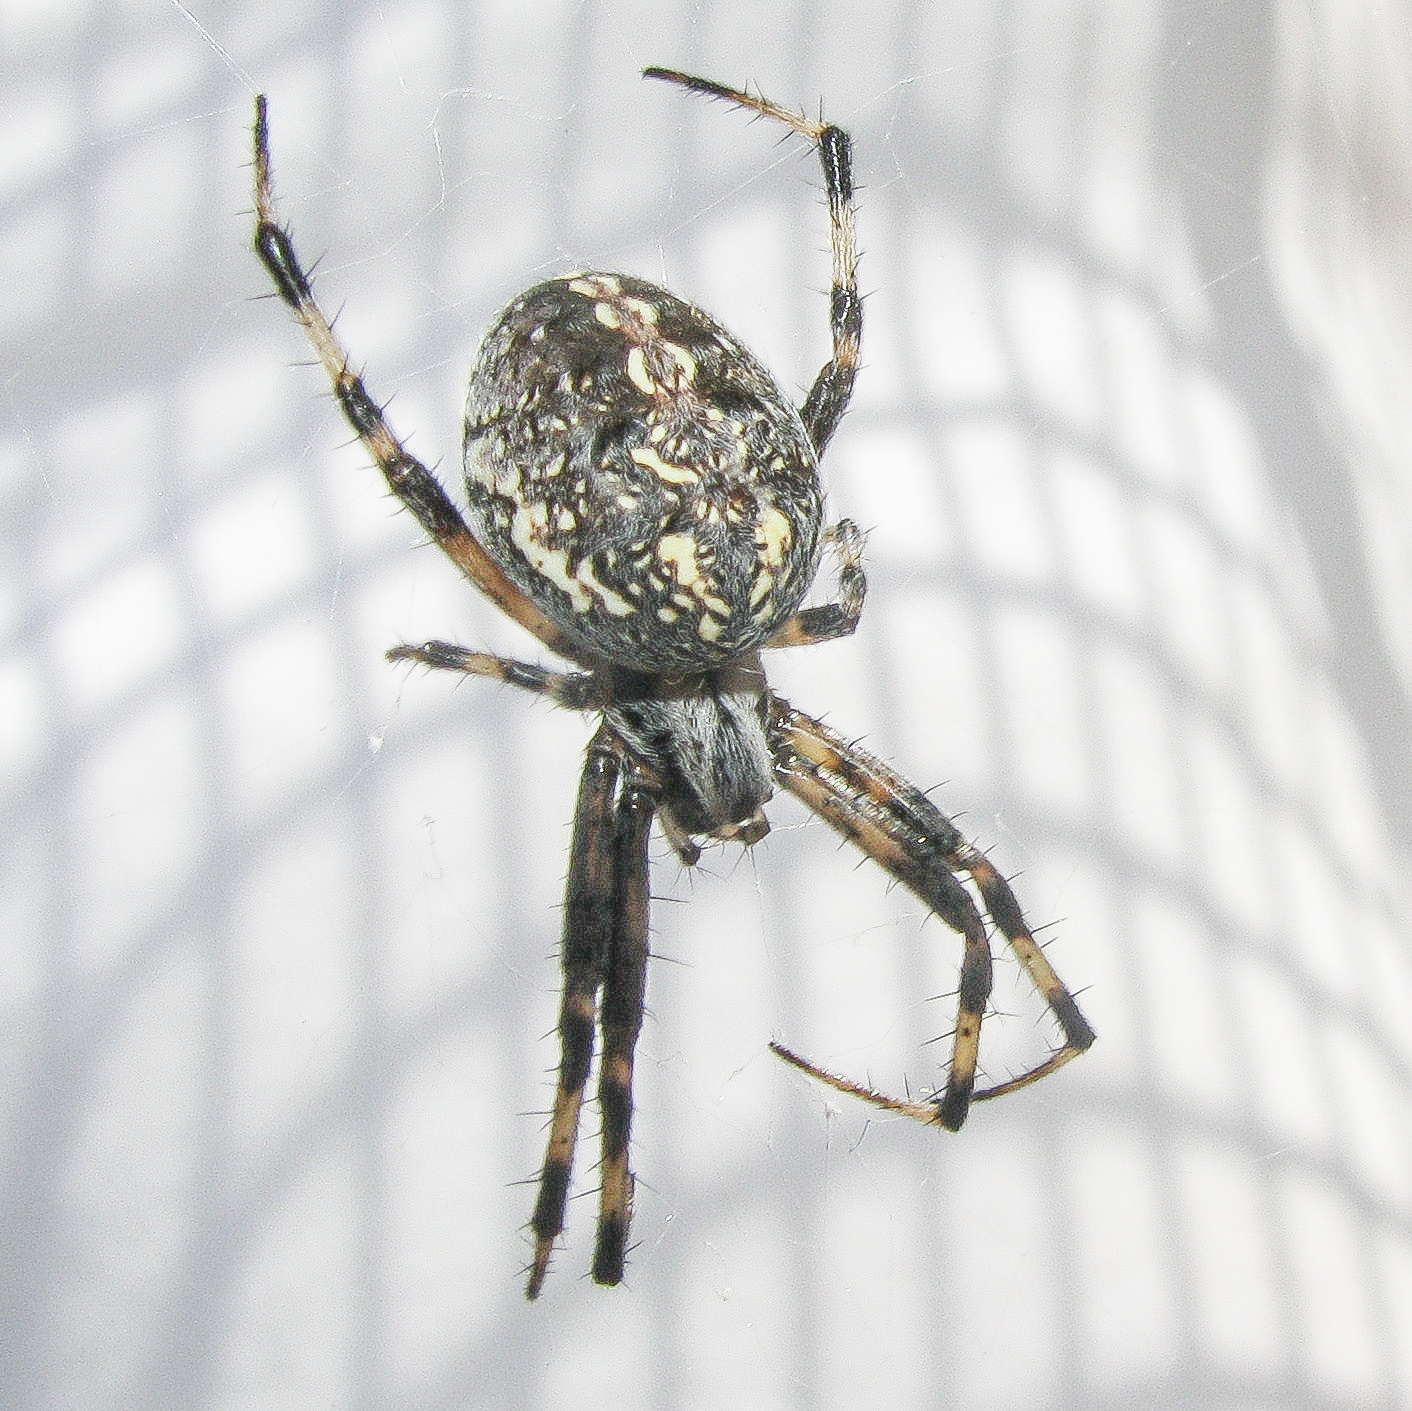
pixel 646 501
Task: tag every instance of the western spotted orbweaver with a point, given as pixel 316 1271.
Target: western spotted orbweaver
pixel 645 501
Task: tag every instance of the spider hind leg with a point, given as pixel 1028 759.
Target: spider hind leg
pixel 408 479
pixel 872 806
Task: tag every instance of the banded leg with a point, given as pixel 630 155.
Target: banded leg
pixel 589 916
pixel 828 398
pixel 897 825
pixel 407 478
pixel 838 618
pixel 620 1019
pixel 573 690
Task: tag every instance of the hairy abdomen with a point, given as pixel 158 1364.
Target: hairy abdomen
pixel 639 475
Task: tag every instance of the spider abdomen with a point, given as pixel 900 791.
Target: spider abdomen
pixel 638 474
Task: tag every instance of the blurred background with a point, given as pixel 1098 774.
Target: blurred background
pixel 281 920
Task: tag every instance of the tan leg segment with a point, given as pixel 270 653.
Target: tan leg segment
pixel 412 483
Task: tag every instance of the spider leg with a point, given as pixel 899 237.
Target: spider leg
pixel 836 619
pixel 620 1019
pixel 896 824
pixel 573 690
pixel 1005 911
pixel 412 483
pixel 828 398
pixel 589 915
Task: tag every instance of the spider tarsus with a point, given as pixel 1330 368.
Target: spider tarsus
pixel 1056 1060
pixel 706 86
pixel 539 1267
pixel 816 132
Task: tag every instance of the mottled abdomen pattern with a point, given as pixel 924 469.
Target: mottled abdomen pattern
pixel 639 475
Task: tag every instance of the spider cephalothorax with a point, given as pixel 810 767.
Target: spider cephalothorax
pixel 646 502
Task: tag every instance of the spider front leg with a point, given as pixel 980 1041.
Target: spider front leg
pixel 828 398
pixel 896 824
pixel 407 478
